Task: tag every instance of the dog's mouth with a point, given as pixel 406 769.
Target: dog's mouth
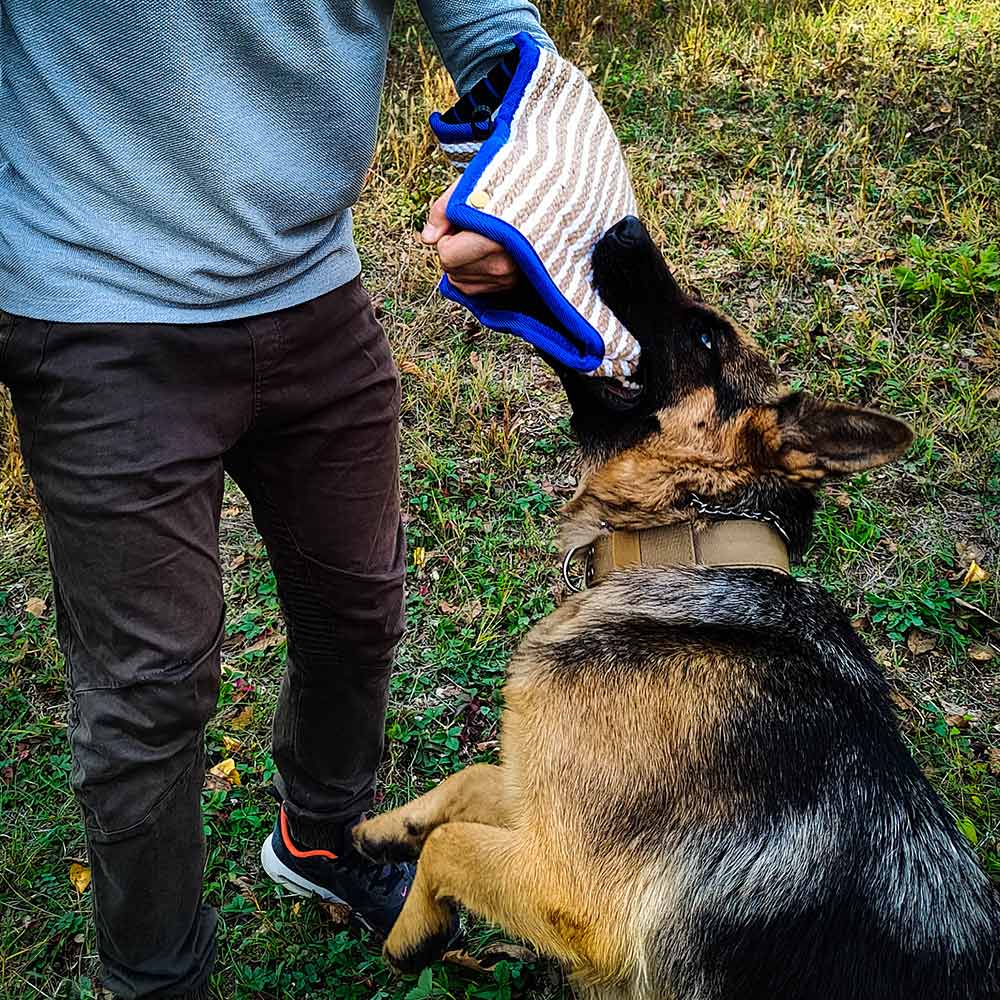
pixel 625 393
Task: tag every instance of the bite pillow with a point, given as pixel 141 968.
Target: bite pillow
pixel 543 175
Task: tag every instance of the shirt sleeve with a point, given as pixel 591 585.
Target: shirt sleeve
pixel 472 35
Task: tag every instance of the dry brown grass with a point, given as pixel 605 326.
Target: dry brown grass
pixel 16 496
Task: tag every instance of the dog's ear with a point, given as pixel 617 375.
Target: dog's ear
pixel 811 438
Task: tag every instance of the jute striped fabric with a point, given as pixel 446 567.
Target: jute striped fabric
pixel 560 180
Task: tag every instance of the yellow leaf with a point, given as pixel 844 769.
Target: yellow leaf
pixel 227 769
pixel 230 745
pixel 295 909
pixel 79 875
pixel 35 606
pixel 974 574
pixel 419 556
pixel 243 719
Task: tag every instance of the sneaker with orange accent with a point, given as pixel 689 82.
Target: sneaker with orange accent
pixel 374 893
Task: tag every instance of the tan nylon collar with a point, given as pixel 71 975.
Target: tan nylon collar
pixel 740 544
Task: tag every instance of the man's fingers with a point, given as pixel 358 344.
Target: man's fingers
pixel 496 273
pixel 482 287
pixel 474 264
pixel 496 266
pixel 437 224
pixel 465 249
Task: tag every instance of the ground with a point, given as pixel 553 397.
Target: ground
pixel 829 175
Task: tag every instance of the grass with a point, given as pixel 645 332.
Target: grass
pixel 829 174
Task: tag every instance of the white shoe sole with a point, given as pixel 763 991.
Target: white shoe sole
pixel 292 881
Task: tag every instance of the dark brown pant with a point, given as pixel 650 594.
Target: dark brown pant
pixel 126 431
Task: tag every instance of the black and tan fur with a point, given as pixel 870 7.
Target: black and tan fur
pixel 703 794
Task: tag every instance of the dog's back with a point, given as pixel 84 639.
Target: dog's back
pixel 780 840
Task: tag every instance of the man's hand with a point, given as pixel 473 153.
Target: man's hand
pixel 474 264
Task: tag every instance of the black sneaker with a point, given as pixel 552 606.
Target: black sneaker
pixel 374 893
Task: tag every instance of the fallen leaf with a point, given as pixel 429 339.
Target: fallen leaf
pixel 79 875
pixel 974 574
pixel 918 643
pixel 230 745
pixel 994 758
pixel 296 909
pixel 237 561
pixel 958 721
pixel 471 610
pixel 842 500
pixel 242 719
pixel 230 511
pixel 464 959
pixel 419 556
pixel 245 888
pixel 505 951
pixel 901 701
pixel 501 951
pixel 451 694
pixel 339 913
pixel 36 606
pixel 859 623
pixel 215 783
pixel 980 653
pixel 266 642
pixel 447 609
pixel 226 769
pixel 969 552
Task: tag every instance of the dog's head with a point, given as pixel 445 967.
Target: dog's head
pixel 708 419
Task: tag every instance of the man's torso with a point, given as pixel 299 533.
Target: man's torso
pixel 182 161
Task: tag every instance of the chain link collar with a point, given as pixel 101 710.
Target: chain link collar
pixel 738 514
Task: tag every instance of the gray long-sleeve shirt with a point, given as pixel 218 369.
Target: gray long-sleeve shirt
pixel 172 161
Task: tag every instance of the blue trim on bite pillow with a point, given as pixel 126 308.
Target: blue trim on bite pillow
pixel 578 345
pixel 523 325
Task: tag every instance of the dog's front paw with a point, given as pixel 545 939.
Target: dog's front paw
pixel 408 955
pixel 389 838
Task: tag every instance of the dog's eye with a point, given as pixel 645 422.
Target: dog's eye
pixel 706 340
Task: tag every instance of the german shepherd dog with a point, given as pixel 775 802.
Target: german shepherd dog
pixel 703 792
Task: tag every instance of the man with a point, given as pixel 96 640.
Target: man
pixel 181 297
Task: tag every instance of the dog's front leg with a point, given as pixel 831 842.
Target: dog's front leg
pixel 476 794
pixel 497 874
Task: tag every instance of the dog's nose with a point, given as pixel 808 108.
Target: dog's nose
pixel 629 231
